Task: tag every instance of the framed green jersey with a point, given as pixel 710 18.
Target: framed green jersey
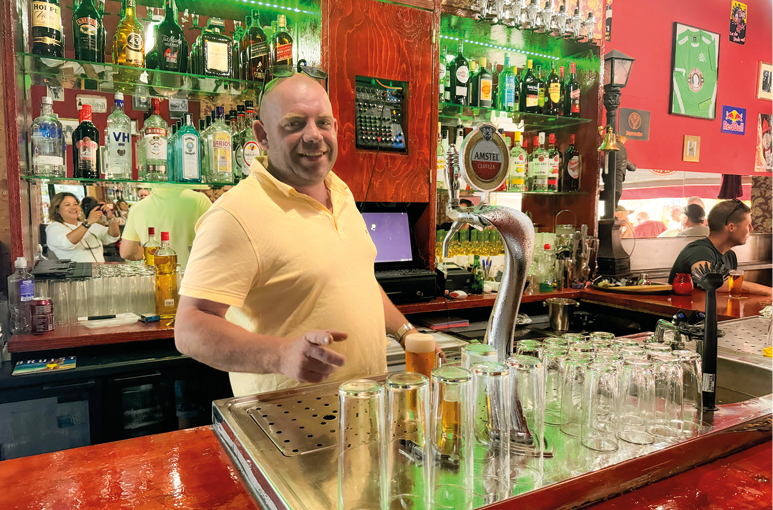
pixel 694 72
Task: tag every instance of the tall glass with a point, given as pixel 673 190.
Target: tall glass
pixel 599 421
pixel 637 401
pixel 361 458
pixel 735 283
pixel 420 353
pixel 61 302
pixel 451 440
pixel 572 389
pixel 491 440
pixel 407 413
pixel 80 297
pixel 477 353
pixel 693 394
pixel 554 359
pixel 668 413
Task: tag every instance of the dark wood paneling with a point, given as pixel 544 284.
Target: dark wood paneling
pixel 381 40
pixel 68 337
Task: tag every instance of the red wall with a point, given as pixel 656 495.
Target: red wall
pixel 643 30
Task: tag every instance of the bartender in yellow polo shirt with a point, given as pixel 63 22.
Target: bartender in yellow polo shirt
pixel 280 287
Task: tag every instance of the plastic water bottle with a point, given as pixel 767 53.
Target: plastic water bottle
pixel 21 290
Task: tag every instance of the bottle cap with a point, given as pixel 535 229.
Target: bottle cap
pixel 517 136
pixel 529 63
pixel 165 236
pixel 552 138
pixel 151 231
pixel 118 96
pixel 20 262
pixel 248 105
pixel 47 100
pixel 571 139
pixel 571 67
pixel 156 102
pixel 419 343
pixel 483 62
pixel 536 140
pixel 85 113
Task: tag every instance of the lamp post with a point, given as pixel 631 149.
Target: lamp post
pixel 612 258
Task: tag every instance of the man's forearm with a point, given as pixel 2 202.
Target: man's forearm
pixel 220 344
pixel 756 288
pixel 393 318
pixel 131 250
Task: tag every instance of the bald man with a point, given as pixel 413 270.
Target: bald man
pixel 280 287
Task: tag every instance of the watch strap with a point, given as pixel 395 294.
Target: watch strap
pixel 86 224
pixel 402 330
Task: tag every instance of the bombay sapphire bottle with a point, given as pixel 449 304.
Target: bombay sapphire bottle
pixel 187 152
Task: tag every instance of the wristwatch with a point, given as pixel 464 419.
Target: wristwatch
pixel 86 224
pixel 402 330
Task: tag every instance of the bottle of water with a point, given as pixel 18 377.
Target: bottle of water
pixel 21 290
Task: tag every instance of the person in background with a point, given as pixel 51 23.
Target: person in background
pixel 674 221
pixel 698 201
pixel 119 217
pixel 645 227
pixel 693 223
pixel 123 207
pixel 170 210
pixel 626 230
pixel 143 193
pixel 84 241
pixel 729 225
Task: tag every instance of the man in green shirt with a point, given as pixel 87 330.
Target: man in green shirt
pixel 729 225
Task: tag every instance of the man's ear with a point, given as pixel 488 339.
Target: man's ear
pixel 260 134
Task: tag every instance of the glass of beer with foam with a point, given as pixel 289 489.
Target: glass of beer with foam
pixel 420 353
pixel 735 282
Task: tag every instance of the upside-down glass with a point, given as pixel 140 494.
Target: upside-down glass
pixel 451 438
pixel 361 458
pixel 61 301
pixel 554 359
pixel 574 338
pixel 623 343
pixel 636 402
pixel 555 341
pixel 599 423
pixel 491 439
pixel 693 394
pixel 633 352
pixel 529 348
pixel 602 339
pixel 657 348
pixel 667 419
pixel 527 421
pixel 584 347
pixel 477 353
pixel 572 389
pixel 407 415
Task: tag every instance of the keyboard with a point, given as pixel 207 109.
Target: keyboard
pixel 397 273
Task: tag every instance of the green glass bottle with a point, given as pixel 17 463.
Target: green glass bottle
pixel 88 33
pixel 171 46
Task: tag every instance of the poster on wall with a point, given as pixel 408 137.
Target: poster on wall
pixel 763 159
pixel 765 81
pixel 694 72
pixel 738 22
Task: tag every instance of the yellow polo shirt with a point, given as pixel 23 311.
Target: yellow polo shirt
pixel 286 264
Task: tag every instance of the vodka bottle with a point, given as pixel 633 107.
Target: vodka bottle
pixel 119 142
pixel 154 134
pixel 48 143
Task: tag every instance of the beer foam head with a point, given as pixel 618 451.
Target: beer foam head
pixel 419 343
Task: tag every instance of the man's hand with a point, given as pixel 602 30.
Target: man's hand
pixel 306 360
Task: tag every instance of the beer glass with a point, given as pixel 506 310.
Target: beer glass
pixel 361 459
pixel 451 437
pixel 529 348
pixel 636 403
pixel 554 358
pixel 735 283
pixel 599 423
pixel 572 388
pixel 667 420
pixel 491 438
pixel 477 353
pixel 693 393
pixel 407 413
pixel 420 353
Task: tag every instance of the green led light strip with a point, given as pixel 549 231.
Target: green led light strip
pixel 467 41
pixel 276 6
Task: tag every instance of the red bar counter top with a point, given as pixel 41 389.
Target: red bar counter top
pixel 189 469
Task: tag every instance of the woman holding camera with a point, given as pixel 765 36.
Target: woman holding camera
pixel 79 241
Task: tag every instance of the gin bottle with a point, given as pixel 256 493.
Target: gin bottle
pixel 516 181
pixel 154 141
pixel 187 144
pixel 119 142
pixel 539 165
pixel 48 143
pixel 219 149
pixel 250 147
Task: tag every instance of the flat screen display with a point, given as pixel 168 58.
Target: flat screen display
pixel 391 233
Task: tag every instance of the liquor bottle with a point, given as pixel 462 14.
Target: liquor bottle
pixel 572 168
pixel 241 44
pixel 257 51
pixel 165 260
pixel 85 143
pixel 203 148
pixel 553 100
pixel 541 90
pixel 482 86
pixel 530 91
pixel 573 93
pixel 237 62
pixel 442 87
pixel 128 41
pixel 187 143
pixel 21 290
pixel 554 159
pixel 235 127
pixel 539 166
pixel 171 46
pixel 47 33
pixel 473 73
pixel 88 32
pixel 154 136
pixel 440 182
pixel 282 44
pixel 516 180
pixel 118 141
pixel 447 84
pixel 250 146
pixel 150 247
pixel 48 143
pixel 219 149
pixel 216 48
pixel 171 162
pixel 460 77
pixel 506 92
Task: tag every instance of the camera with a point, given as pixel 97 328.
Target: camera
pixel 90 206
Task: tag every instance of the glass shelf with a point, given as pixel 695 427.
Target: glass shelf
pixel 110 78
pixel 140 184
pixel 552 193
pixel 449 113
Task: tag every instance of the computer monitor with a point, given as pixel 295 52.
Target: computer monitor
pixel 391 233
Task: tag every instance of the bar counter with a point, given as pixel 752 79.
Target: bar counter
pixel 190 469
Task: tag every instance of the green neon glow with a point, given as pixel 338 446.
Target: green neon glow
pixel 496 46
pixel 281 7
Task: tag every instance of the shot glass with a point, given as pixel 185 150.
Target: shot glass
pixel 491 439
pixel 407 449
pixel 554 358
pixel 692 401
pixel 451 438
pixel 636 403
pixel 529 348
pixel 599 423
pixel 667 419
pixel 477 353
pixel 361 458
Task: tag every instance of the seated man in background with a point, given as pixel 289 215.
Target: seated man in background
pixel 693 223
pixel 645 227
pixel 730 224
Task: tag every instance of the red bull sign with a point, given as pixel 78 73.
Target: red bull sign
pixel 733 120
